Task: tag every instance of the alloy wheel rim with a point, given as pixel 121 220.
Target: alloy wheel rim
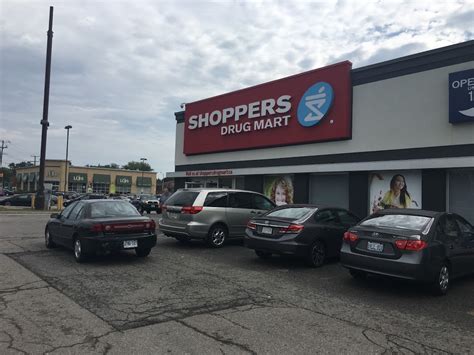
pixel 443 278
pixel 77 248
pixel 318 254
pixel 218 237
pixel 46 237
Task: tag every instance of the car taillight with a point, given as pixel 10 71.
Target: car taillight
pixel 251 225
pixel 151 225
pixel 191 209
pixel 97 228
pixel 292 228
pixel 412 245
pixel 350 237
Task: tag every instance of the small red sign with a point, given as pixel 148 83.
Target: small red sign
pixel 314 106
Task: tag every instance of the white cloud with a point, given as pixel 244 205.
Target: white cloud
pixel 120 69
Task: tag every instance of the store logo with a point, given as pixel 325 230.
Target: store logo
pixel 315 104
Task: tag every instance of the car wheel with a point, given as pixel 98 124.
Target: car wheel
pixel 358 274
pixel 317 254
pixel 48 241
pixel 79 254
pixel 441 284
pixel 142 252
pixel 263 254
pixel 217 236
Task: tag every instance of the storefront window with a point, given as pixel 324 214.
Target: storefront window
pixel 100 188
pixel 77 187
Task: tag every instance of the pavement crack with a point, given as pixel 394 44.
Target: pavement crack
pixel 218 338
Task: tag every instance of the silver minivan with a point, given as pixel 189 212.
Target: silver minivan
pixel 214 215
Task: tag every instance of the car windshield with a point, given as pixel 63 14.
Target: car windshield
pixel 113 209
pixel 294 212
pixel 147 197
pixel 401 221
pixel 182 198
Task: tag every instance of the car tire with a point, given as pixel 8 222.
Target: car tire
pixel 217 236
pixel 48 241
pixel 358 274
pixel 441 284
pixel 142 252
pixel 79 254
pixel 263 254
pixel 316 254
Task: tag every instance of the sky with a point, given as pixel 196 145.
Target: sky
pixel 121 69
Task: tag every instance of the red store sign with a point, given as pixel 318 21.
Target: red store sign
pixel 310 107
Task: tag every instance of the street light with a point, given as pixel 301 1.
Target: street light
pixel 143 161
pixel 68 127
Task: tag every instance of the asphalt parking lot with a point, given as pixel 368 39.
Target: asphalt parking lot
pixel 187 298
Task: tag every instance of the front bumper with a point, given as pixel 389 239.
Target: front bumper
pixel 115 243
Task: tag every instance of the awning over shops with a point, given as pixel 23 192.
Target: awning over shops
pixel 77 178
pixel 121 180
pixel 101 179
pixel 143 182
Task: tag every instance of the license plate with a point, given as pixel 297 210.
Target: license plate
pixel 130 244
pixel 266 230
pixel 375 246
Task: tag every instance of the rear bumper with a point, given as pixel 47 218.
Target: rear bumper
pixel 409 266
pixel 100 244
pixel 191 230
pixel 284 247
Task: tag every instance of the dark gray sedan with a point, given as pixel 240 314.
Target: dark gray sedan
pixel 411 244
pixel 311 232
pixel 91 226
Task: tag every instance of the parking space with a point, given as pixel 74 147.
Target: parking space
pixel 229 299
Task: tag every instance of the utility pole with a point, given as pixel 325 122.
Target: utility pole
pixel 34 157
pixel 40 198
pixel 2 147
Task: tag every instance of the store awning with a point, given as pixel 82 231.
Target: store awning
pixel 101 179
pixel 121 180
pixel 143 182
pixel 77 178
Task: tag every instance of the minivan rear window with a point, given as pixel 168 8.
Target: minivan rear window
pixel 182 198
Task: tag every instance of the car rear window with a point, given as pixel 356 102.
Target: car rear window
pixel 294 213
pixel 401 221
pixel 113 209
pixel 182 198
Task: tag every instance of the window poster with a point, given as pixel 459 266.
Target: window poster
pixel 279 189
pixel 394 189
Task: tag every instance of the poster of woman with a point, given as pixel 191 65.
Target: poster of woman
pixel 279 189
pixel 394 189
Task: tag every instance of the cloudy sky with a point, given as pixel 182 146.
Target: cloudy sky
pixel 120 69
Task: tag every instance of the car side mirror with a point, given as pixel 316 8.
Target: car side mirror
pixel 54 215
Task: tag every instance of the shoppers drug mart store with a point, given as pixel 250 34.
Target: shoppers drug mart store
pixel 342 136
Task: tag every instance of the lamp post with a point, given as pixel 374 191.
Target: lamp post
pixel 68 127
pixel 143 161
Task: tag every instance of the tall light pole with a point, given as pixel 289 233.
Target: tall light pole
pixel 143 161
pixel 68 127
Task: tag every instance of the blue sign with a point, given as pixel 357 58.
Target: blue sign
pixel 315 104
pixel 461 96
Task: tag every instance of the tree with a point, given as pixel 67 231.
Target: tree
pixel 111 166
pixel 137 165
